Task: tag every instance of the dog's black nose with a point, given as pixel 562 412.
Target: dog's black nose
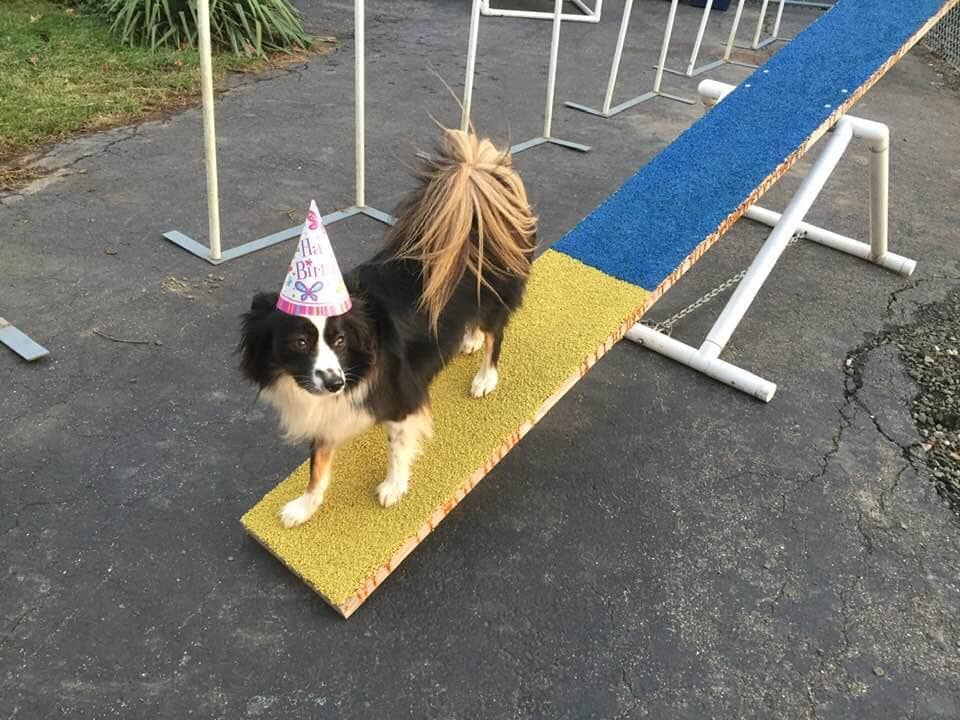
pixel 331 381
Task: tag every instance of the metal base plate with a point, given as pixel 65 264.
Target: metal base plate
pixel 203 252
pixel 22 344
pixel 520 147
pixel 697 71
pixel 763 43
pixel 616 109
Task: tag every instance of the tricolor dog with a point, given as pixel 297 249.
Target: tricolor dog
pixel 334 361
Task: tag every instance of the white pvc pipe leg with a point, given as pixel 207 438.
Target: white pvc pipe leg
pixel 776 23
pixel 665 47
pixel 209 127
pixel 888 261
pixel 776 243
pixel 700 31
pixel 552 71
pixel 471 65
pixel 617 55
pixel 713 367
pixel 360 92
pixel 879 197
pixel 756 35
pixel 737 15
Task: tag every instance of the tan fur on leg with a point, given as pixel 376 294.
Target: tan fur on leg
pixel 296 512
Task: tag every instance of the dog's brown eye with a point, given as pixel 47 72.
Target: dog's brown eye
pixel 300 343
pixel 338 341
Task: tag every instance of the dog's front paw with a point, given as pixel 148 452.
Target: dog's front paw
pixel 390 491
pixel 484 382
pixel 472 341
pixel 297 512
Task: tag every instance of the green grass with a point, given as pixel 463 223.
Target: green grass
pixel 62 72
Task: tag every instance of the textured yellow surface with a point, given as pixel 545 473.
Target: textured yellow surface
pixel 351 544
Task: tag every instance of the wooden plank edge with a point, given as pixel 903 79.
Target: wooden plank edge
pixel 332 603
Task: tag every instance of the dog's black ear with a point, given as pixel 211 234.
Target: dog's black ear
pixel 263 303
pixel 256 339
pixel 360 327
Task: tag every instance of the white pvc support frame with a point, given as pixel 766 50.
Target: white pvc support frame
pixel 758 41
pixel 214 253
pixel 692 70
pixel 547 136
pixel 586 14
pixel 606 111
pixel 732 39
pixel 706 359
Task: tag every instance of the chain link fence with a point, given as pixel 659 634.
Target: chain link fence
pixel 944 39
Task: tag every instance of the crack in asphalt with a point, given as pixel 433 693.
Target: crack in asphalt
pixel 854 367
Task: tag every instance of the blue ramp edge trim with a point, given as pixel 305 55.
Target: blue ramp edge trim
pixel 644 230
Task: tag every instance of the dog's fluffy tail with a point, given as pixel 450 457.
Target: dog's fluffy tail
pixel 470 215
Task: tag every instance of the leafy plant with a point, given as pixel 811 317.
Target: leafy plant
pixel 245 27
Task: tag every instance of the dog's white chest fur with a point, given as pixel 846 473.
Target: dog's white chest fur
pixel 334 419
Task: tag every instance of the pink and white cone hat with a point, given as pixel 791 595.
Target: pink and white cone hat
pixel 314 285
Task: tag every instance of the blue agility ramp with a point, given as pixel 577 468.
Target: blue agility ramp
pixel 658 224
pixel 696 187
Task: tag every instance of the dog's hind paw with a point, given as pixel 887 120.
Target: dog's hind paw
pixel 484 382
pixel 297 512
pixel 472 341
pixel 390 492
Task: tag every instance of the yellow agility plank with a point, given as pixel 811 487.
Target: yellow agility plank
pixel 571 315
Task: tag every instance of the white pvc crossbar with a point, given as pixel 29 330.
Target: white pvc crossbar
pixel 214 254
pixel 586 14
pixel 606 111
pixel 705 359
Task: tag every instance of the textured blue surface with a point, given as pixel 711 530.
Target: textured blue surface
pixel 643 231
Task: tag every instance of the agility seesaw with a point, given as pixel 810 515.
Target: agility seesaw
pixel 592 287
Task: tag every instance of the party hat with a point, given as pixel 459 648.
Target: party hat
pixel 314 285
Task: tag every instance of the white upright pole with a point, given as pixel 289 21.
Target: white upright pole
pixel 552 72
pixel 879 193
pixel 733 31
pixel 696 45
pixel 471 65
pixel 617 54
pixel 359 91
pixel 671 18
pixel 756 34
pixel 209 127
pixel 776 23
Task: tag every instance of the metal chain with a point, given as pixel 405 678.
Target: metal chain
pixel 666 326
